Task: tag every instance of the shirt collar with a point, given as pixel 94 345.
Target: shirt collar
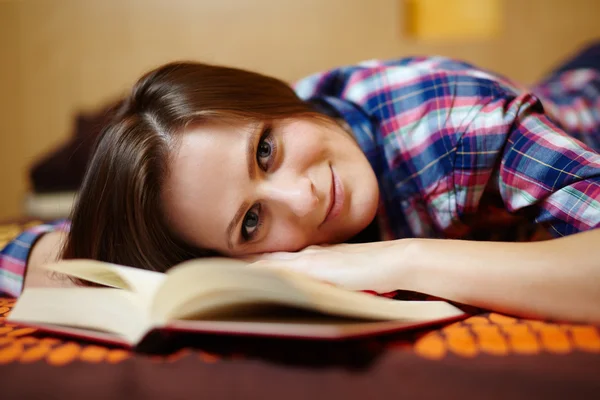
pixel 364 129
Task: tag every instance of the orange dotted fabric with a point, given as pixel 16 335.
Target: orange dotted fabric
pixel 499 335
pixel 25 345
pixel 488 334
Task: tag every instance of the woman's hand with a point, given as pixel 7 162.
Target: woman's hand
pixel 366 266
pixel 46 250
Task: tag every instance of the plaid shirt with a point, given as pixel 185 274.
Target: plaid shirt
pixel 458 152
pixel 462 153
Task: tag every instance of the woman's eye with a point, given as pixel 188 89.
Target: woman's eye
pixel 266 150
pixel 251 223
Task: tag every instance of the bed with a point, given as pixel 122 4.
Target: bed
pixel 488 355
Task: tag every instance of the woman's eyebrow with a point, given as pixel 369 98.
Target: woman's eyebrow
pixel 250 161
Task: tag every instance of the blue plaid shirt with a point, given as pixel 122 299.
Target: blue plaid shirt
pixel 462 153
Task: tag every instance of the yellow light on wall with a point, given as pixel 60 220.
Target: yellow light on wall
pixel 453 19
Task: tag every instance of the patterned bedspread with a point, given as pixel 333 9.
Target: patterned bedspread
pixel 485 356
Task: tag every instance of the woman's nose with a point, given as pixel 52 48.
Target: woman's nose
pixel 298 194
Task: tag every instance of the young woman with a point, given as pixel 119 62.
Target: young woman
pixel 422 174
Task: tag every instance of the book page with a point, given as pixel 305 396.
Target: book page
pixel 203 288
pixel 140 281
pixel 98 309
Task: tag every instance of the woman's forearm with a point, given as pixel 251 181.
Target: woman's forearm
pixel 558 278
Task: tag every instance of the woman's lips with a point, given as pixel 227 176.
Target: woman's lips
pixel 337 197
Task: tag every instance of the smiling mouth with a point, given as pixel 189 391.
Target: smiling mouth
pixel 336 198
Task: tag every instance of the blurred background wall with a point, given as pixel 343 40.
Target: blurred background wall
pixel 60 57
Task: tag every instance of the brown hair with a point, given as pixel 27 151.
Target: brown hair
pixel 118 216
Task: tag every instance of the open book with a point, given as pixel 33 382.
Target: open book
pixel 215 295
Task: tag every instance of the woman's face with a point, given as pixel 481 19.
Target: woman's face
pixel 251 188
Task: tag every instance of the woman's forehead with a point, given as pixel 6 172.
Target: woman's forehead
pixel 207 177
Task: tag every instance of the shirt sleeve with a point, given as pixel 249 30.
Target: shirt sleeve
pixel 14 256
pixel 512 147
